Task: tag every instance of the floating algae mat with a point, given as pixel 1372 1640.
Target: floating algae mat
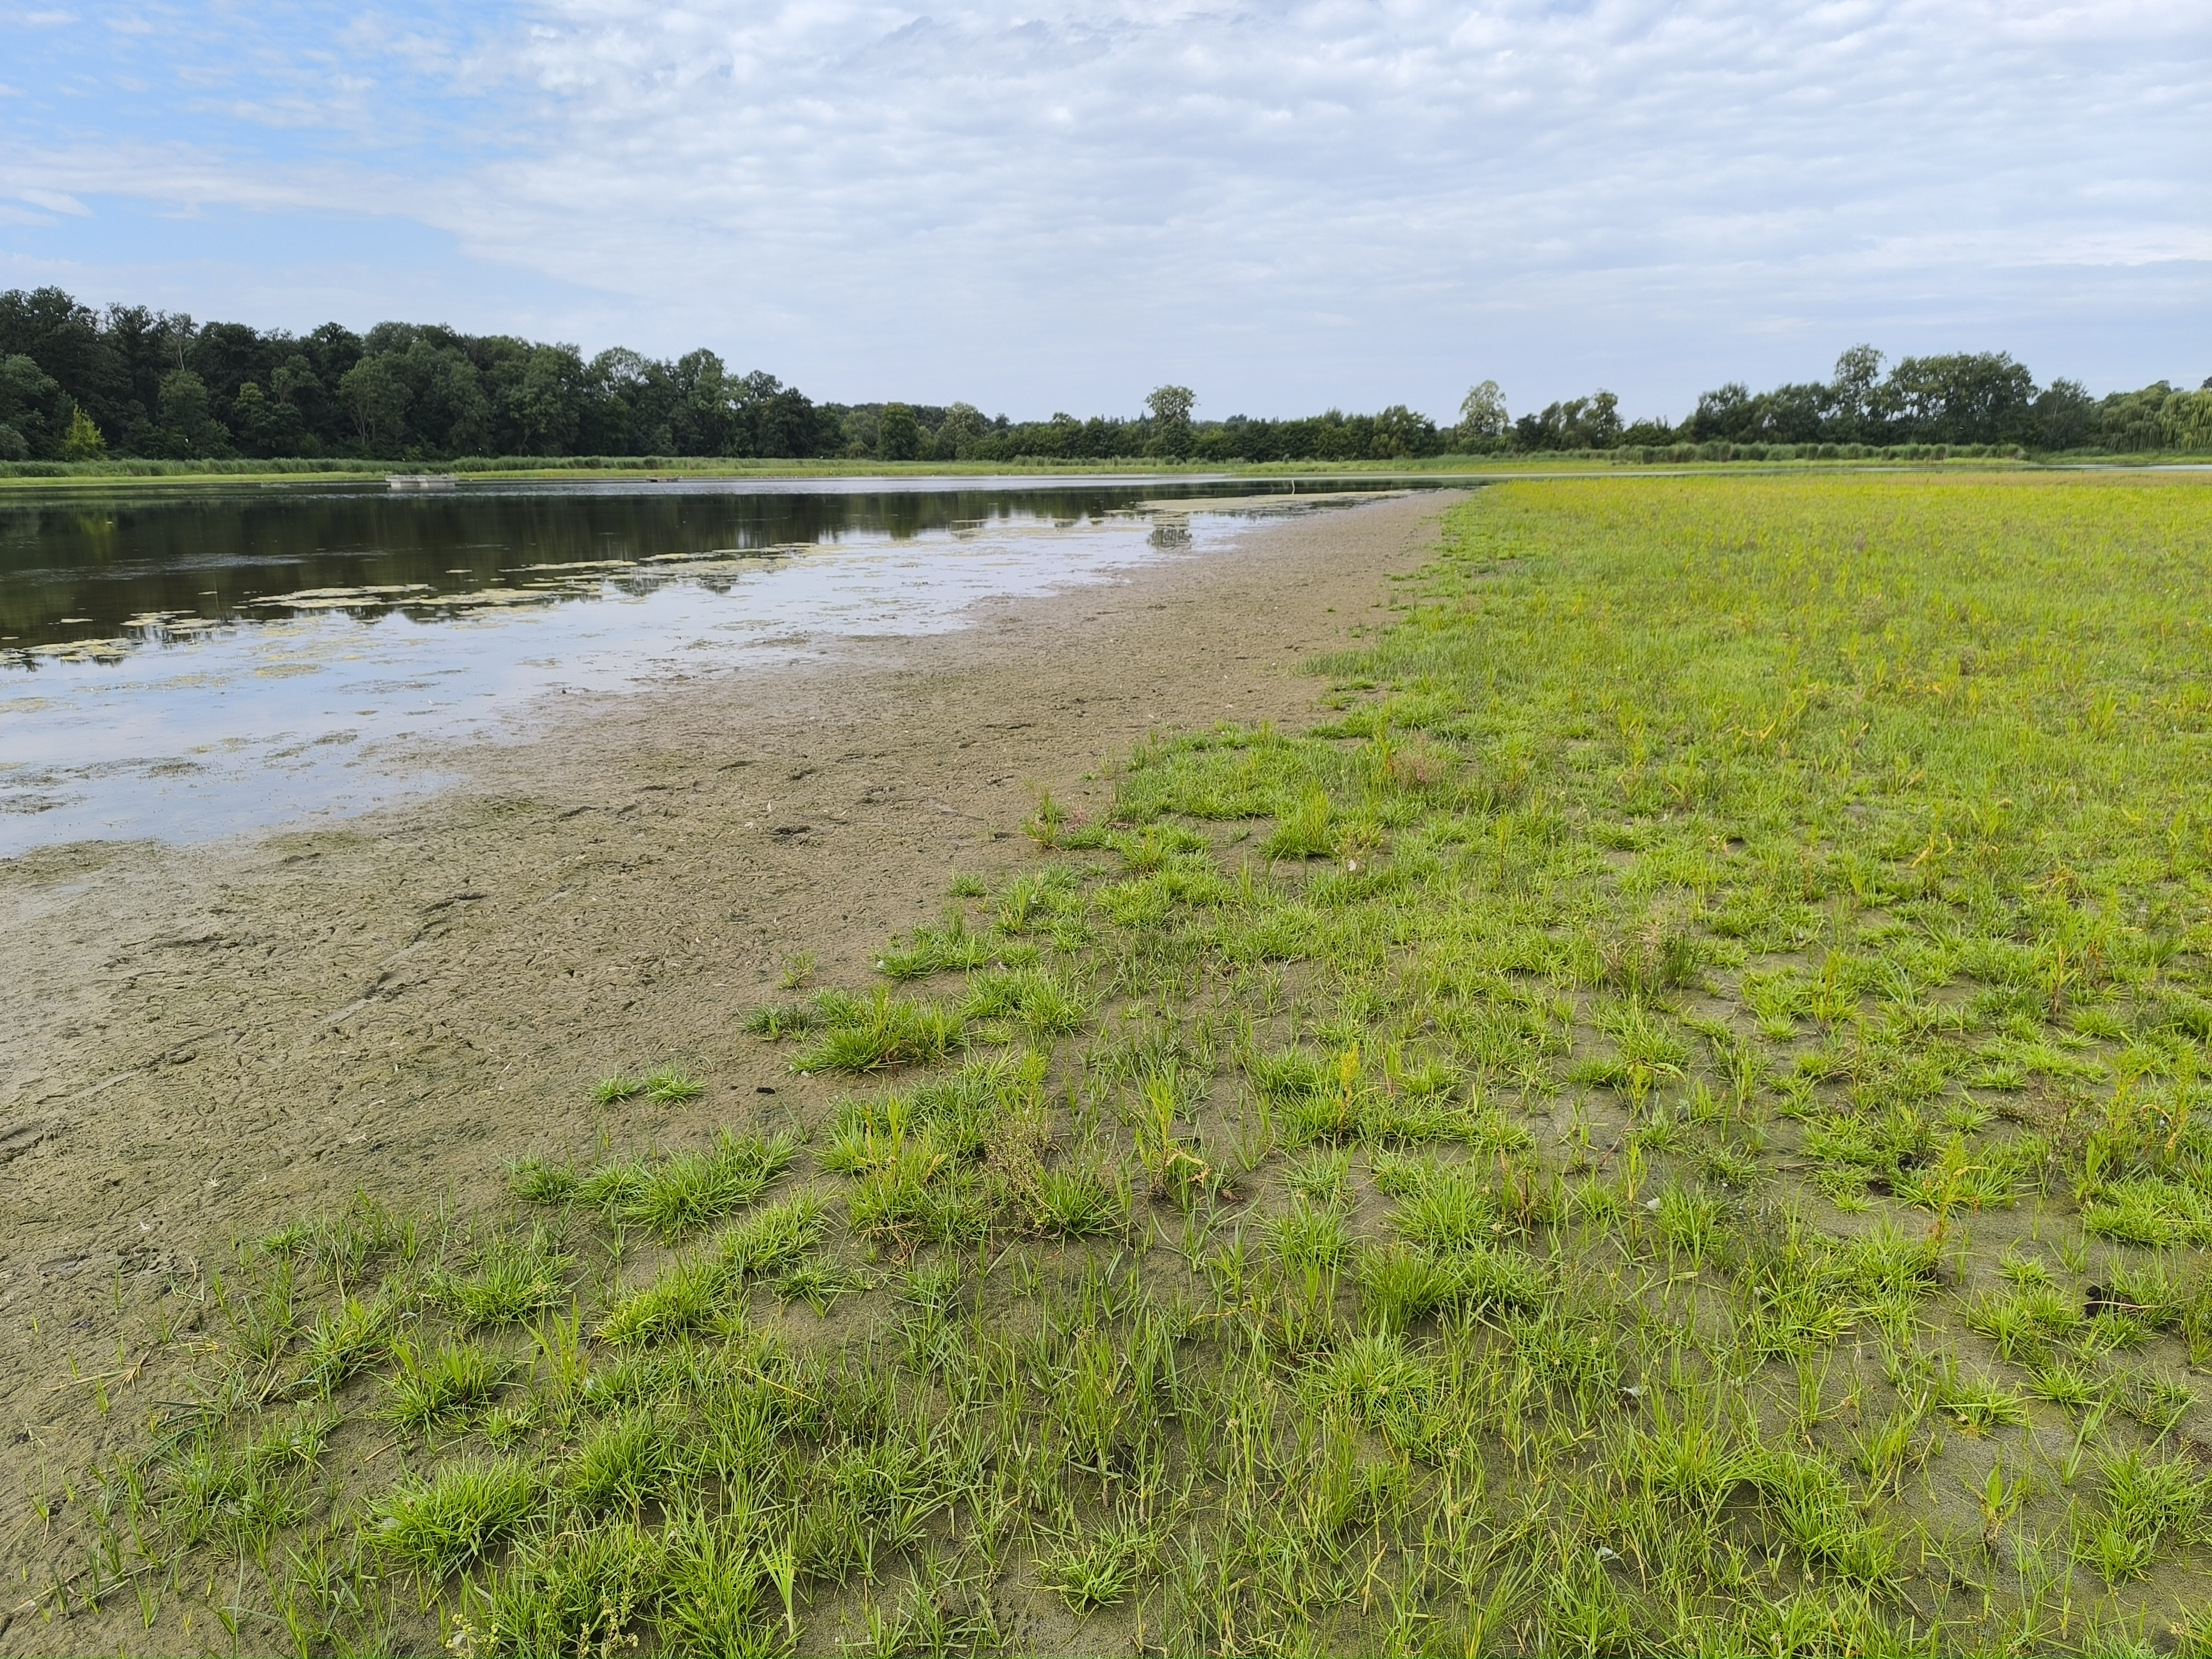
pixel 181 668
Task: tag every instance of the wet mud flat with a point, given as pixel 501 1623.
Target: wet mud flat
pixel 206 1042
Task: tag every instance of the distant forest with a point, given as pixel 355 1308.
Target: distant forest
pixel 77 383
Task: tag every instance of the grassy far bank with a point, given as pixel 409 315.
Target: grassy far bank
pixel 1674 1117
pixel 77 476
pixel 73 475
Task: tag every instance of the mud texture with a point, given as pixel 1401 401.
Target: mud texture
pixel 202 1043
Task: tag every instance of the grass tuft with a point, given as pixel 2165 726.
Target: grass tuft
pixel 868 1035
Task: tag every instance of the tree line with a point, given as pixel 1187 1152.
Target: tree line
pixel 78 384
pixel 1960 399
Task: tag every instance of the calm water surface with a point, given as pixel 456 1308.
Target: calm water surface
pixel 181 669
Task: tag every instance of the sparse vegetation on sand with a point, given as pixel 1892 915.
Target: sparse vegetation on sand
pixel 1674 1121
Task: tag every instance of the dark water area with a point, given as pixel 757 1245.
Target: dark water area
pixel 122 570
pixel 182 667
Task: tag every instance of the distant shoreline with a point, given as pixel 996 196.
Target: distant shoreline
pixel 29 477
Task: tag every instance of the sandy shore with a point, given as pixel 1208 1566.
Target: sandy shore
pixel 204 1042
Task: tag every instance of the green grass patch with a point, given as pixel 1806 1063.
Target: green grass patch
pixel 1675 1119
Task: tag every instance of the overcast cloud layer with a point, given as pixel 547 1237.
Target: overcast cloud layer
pixel 1056 206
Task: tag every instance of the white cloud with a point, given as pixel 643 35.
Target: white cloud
pixel 1334 180
pixel 1057 204
pixel 54 201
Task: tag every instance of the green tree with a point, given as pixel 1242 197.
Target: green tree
pixel 2064 413
pixel 548 403
pixel 183 399
pixel 67 342
pixel 898 435
pixel 189 428
pixel 85 441
pixel 2188 420
pixel 2156 418
pixel 769 418
pixel 294 382
pixel 1399 432
pixel 448 410
pixel 1483 421
pixel 1725 412
pixel 1591 422
pixel 1959 397
pixel 24 387
pixel 268 426
pixel 377 398
pixel 957 435
pixel 1851 394
pixel 1170 407
pixel 685 408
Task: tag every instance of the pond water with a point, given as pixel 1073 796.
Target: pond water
pixel 181 668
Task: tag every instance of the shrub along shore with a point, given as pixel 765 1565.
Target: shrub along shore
pixel 1673 1118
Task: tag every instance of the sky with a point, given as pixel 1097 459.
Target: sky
pixel 1035 206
